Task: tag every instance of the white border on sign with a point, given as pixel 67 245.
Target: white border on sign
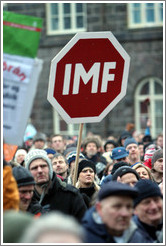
pixel 63 52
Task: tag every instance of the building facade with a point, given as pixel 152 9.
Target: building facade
pixel 139 29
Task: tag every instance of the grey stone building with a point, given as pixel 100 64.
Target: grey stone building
pixel 139 29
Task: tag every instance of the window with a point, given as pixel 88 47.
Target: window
pixel 60 126
pixel 65 18
pixel 145 14
pixel 149 104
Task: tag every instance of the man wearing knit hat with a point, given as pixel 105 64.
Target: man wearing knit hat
pixel 157 166
pixel 26 185
pixel 148 209
pixel 115 167
pixel 39 141
pixel 131 145
pixel 109 220
pixel 126 175
pixel 50 191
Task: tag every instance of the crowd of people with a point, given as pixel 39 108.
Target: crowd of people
pixel 117 196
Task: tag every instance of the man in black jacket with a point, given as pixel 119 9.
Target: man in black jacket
pixel 51 192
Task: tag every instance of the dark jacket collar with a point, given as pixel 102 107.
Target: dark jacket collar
pixel 88 191
pixel 150 230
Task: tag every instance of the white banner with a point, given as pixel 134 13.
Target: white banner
pixel 20 78
pixel 17 68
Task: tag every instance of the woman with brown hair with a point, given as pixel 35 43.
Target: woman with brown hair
pixel 143 171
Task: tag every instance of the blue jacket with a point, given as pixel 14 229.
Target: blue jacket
pixel 149 232
pixel 96 231
pixel 106 179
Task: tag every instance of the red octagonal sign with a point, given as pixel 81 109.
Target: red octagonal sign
pixel 88 77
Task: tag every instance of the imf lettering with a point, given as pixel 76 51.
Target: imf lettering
pixel 93 73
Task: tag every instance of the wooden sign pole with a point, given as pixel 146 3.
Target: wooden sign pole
pixel 78 153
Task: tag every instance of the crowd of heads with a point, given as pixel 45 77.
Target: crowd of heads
pixel 119 179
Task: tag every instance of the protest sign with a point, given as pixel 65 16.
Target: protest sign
pixel 21 71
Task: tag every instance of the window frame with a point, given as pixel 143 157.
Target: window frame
pixel 73 15
pixel 72 129
pixel 153 97
pixel 144 23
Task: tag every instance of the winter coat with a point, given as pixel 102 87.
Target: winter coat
pixel 107 179
pixel 62 197
pixel 35 208
pixel 96 231
pixel 150 232
pixel 87 194
pixel 10 190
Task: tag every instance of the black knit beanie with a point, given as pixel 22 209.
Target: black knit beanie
pixel 85 163
pixel 23 176
pixel 122 171
pixel 146 188
pixel 118 165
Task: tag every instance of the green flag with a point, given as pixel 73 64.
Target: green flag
pixel 21 34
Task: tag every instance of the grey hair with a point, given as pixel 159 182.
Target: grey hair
pixel 53 221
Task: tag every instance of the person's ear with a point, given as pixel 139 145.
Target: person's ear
pixel 118 179
pixel 135 211
pixel 98 207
